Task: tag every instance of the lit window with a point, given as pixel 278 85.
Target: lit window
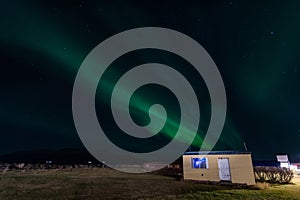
pixel 199 163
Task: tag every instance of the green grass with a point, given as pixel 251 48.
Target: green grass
pixel 110 184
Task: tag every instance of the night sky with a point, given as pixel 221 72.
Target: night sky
pixel 256 47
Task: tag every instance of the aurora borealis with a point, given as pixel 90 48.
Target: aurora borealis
pixel 255 46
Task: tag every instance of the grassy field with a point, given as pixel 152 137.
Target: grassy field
pixel 110 184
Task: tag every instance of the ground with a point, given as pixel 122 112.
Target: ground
pixel 109 184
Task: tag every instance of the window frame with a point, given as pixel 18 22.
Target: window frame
pixel 201 159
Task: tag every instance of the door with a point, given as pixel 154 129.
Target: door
pixel 224 169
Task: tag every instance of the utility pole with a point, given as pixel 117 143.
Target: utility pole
pixel 245 146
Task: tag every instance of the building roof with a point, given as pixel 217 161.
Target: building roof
pixel 215 152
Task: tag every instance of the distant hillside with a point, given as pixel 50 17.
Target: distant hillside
pixel 61 156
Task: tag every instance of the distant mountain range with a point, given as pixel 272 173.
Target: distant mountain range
pixel 73 156
pixel 61 156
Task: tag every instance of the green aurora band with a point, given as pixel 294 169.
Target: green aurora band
pixel 33 30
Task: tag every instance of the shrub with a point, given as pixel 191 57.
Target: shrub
pixel 273 175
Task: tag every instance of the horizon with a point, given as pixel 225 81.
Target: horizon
pixel 84 150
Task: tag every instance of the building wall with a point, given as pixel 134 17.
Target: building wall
pixel 241 168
